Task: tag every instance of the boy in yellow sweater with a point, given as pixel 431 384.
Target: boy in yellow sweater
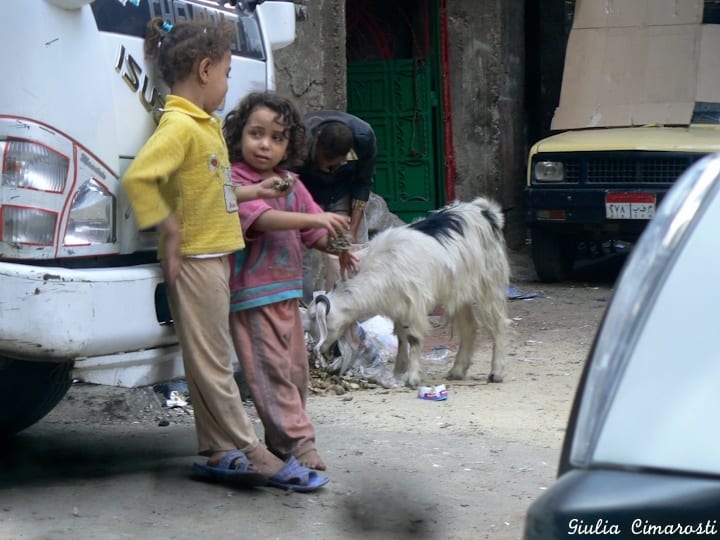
pixel 180 182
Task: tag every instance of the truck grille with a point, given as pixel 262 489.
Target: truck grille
pixel 625 167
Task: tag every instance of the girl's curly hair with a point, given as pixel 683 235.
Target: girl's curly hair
pixel 177 48
pixel 287 114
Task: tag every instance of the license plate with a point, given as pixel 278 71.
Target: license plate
pixel 630 205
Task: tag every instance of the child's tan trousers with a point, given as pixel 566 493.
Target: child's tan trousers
pixel 200 303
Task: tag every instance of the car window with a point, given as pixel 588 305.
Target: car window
pixel 664 412
pixel 128 19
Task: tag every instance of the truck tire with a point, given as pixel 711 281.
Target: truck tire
pixel 28 391
pixel 553 255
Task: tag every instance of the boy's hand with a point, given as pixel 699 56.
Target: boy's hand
pixel 349 264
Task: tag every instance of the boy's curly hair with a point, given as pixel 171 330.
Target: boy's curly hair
pixel 178 47
pixel 287 114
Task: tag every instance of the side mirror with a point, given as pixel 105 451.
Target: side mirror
pixel 278 19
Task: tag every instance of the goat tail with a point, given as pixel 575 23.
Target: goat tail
pixel 493 213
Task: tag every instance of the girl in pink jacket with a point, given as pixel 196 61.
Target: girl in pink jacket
pixel 266 281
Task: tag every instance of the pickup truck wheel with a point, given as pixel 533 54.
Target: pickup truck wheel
pixel 28 391
pixel 553 255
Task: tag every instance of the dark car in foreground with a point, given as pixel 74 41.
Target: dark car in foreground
pixel 641 455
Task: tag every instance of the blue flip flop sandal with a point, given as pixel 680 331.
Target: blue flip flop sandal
pixel 233 469
pixel 295 477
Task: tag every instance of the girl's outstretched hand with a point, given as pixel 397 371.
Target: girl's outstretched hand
pixel 336 224
pixel 276 186
pixel 270 188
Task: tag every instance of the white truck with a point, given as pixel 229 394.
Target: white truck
pixel 81 292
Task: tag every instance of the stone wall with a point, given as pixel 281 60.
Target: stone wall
pixel 313 69
pixel 486 73
pixel 486 79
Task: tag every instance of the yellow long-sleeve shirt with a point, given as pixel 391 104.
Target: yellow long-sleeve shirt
pixel 182 170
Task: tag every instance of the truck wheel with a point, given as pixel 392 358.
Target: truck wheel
pixel 28 391
pixel 553 255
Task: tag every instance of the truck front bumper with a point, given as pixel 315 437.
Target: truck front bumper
pixel 574 210
pixel 110 321
pixel 52 313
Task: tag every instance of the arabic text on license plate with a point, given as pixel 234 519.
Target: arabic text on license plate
pixel 630 205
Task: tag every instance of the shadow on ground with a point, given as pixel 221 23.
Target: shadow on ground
pixel 601 270
pixel 46 454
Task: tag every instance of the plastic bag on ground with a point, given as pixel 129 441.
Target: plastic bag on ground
pixel 365 351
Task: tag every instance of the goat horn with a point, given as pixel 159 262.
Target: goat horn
pixel 322 299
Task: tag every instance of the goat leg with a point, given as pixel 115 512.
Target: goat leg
pixel 498 326
pixel 413 369
pixel 402 361
pixel 467 325
pixel 497 372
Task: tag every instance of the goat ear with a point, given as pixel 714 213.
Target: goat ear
pixel 321 325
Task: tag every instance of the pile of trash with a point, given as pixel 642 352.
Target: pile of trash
pixel 364 352
pixel 173 393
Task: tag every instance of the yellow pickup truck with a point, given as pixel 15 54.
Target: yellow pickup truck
pixel 590 187
pixel 639 104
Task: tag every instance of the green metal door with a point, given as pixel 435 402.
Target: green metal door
pixel 395 97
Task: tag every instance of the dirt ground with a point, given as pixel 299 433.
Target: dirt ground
pixel 464 468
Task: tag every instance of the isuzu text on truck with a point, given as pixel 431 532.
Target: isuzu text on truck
pixel 81 293
pixel 640 103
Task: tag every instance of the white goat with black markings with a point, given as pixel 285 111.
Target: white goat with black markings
pixel 454 258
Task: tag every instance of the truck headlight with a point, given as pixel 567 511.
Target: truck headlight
pixel 34 166
pixel 92 216
pixel 28 226
pixel 549 171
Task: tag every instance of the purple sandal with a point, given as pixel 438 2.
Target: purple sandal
pixel 233 469
pixel 295 477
